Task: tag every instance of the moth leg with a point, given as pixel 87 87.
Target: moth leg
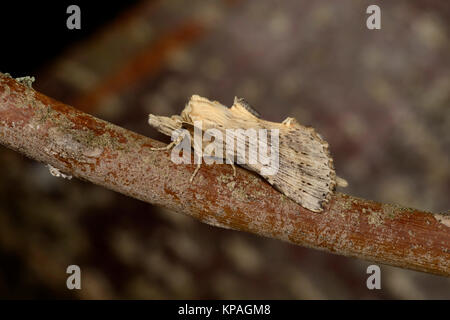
pixel 234 168
pixel 195 172
pixel 170 145
pixel 199 164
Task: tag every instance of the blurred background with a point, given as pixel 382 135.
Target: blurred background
pixel 381 98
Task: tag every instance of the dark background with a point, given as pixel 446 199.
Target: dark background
pixel 381 99
pixel 34 32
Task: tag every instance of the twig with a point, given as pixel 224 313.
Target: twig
pixel 91 149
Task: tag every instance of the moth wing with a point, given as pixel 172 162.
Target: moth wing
pixel 306 172
pixel 187 125
pixel 242 105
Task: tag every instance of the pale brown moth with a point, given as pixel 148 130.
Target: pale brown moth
pixel 306 172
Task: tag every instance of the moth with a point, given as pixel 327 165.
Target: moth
pixel 305 171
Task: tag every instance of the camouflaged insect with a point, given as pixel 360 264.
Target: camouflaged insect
pixel 305 174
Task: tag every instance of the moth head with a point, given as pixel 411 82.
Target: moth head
pixel 165 125
pixel 199 108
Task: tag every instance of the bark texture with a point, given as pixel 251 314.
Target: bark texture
pixel 88 148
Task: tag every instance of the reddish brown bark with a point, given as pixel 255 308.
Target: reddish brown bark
pixel 94 150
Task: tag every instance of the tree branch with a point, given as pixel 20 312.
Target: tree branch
pixel 102 153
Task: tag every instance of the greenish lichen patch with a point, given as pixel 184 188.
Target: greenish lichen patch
pixel 240 193
pixel 6 91
pixel 389 211
pixel 375 217
pixel 225 178
pixel 443 218
pixel 231 185
pixel 26 81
